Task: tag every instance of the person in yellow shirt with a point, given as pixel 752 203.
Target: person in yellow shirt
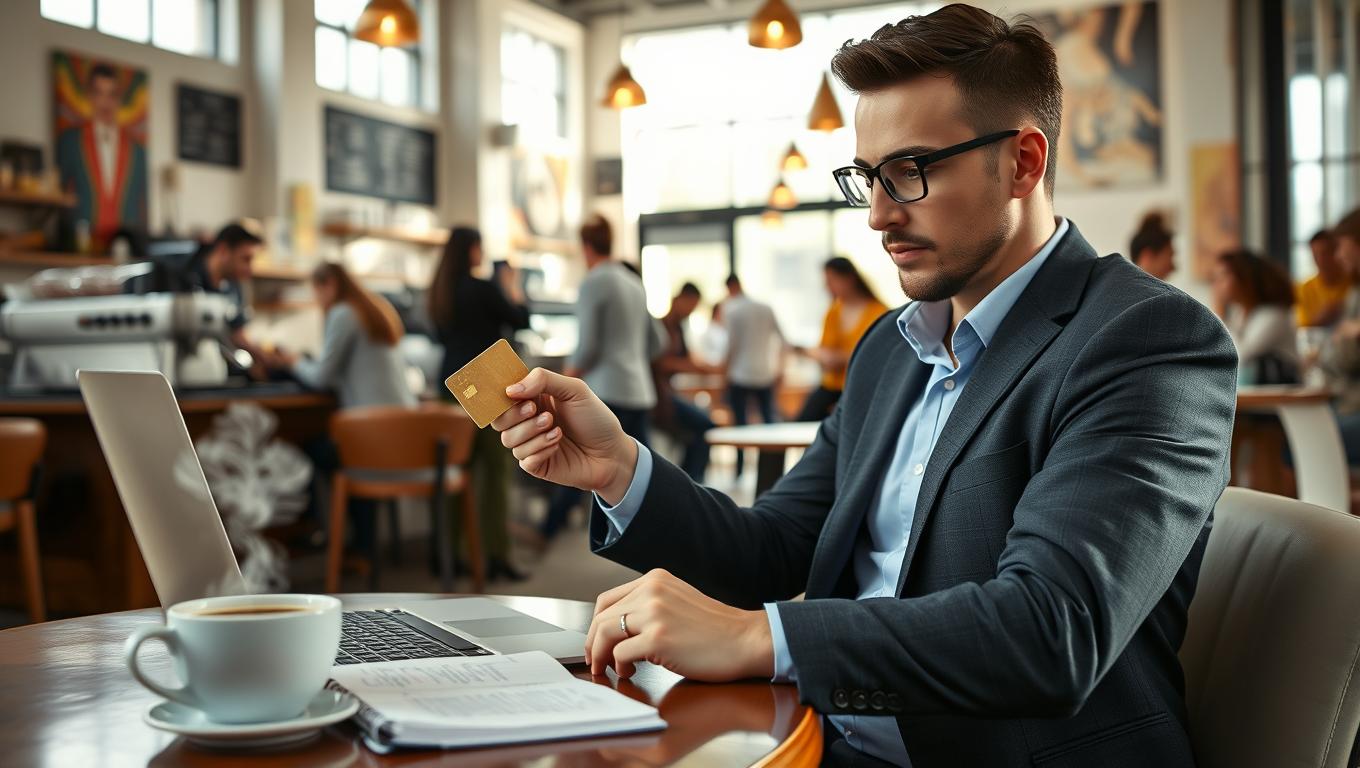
pixel 1321 296
pixel 854 308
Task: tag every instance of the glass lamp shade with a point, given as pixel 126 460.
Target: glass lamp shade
pixel 782 198
pixel 775 25
pixel 825 115
pixel 388 23
pixel 623 91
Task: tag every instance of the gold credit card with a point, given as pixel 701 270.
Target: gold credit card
pixel 480 385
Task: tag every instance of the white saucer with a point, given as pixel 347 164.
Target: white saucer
pixel 326 708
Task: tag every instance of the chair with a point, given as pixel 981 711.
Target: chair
pixel 1273 641
pixel 389 452
pixel 21 448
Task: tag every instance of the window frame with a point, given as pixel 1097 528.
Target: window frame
pixel 560 91
pixel 215 14
pixel 414 99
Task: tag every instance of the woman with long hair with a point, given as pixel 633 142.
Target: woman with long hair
pixel 359 360
pixel 468 315
pixel 854 307
pixel 1254 297
pixel 359 357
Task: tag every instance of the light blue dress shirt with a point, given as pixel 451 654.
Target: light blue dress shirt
pixel 878 559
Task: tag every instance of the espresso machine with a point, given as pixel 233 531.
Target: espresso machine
pixel 182 335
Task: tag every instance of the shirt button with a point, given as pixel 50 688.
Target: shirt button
pixel 918 469
pixel 949 384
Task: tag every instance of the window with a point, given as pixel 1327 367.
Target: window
pixel 533 88
pixel 1324 166
pixel 713 132
pixel 390 75
pixel 182 26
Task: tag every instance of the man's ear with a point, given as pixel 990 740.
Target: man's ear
pixel 1031 162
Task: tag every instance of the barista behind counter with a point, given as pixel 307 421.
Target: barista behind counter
pixel 221 266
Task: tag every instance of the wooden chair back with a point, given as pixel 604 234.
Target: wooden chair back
pixel 21 448
pixel 398 438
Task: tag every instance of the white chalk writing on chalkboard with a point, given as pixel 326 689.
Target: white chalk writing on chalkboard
pixel 367 156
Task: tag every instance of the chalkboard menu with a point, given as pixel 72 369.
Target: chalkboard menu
pixel 366 156
pixel 209 126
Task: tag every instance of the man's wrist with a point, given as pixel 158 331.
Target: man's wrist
pixel 625 466
pixel 759 645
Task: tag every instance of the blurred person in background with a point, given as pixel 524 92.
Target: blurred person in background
pixel 468 315
pixel 1151 247
pixel 1254 298
pixel 1340 358
pixel 683 419
pixel 360 361
pixel 854 308
pixel 619 339
pixel 1320 297
pixel 755 356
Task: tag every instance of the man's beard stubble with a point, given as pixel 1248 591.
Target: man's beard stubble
pixel 954 269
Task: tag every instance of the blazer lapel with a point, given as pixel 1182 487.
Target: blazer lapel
pixel 904 378
pixel 1031 325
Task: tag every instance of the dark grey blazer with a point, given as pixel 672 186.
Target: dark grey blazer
pixel 1056 544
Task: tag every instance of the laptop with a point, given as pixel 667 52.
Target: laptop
pixel 185 546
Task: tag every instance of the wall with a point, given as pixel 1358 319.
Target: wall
pixel 283 127
pixel 1198 84
pixel 209 194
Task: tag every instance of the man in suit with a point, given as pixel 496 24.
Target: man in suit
pixel 103 163
pixel 1000 526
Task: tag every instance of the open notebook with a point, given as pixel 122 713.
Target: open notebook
pixel 477 701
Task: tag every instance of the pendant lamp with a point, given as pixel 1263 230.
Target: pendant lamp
pixel 793 160
pixel 782 198
pixel 623 91
pixel 771 219
pixel 388 23
pixel 825 115
pixel 775 25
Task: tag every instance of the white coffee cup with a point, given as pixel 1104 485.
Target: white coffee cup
pixel 245 658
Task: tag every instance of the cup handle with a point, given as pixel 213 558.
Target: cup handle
pixel 166 635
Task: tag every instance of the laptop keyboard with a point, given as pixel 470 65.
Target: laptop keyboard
pixel 367 636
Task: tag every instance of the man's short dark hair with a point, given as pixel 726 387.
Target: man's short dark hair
pixel 1005 73
pixel 733 281
pixel 1322 236
pixel 690 289
pixel 101 70
pixel 235 235
pixel 598 235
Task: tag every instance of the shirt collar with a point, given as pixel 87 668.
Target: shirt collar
pixel 924 324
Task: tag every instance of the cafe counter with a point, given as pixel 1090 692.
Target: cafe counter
pixel 90 560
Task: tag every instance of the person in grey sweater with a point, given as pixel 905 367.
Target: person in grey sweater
pixel 618 340
pixel 359 357
pixel 359 360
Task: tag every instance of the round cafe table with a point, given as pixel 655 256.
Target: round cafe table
pixel 66 698
pixel 1319 457
pixel 773 442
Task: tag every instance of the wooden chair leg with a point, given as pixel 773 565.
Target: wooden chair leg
pixel 394 531
pixel 472 529
pixel 28 557
pixel 375 546
pixel 335 545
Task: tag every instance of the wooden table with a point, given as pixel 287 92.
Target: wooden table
pixel 91 563
pixel 1321 473
pixel 66 698
pixel 773 442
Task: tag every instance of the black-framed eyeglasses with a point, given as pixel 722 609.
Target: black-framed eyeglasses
pixel 903 178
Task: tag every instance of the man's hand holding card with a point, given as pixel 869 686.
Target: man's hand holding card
pixel 556 427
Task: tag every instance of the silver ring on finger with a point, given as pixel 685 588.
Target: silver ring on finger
pixel 623 625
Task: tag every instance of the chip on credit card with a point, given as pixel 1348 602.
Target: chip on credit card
pixel 480 385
